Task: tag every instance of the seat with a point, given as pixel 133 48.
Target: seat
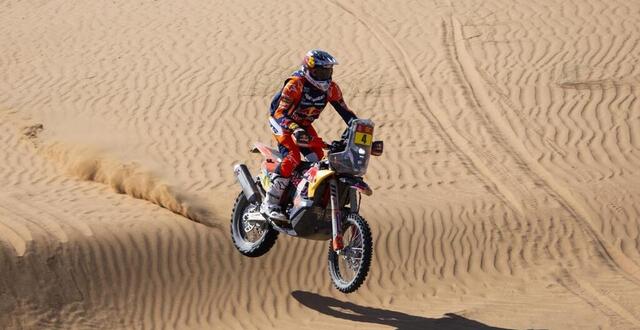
pixel 267 151
pixel 274 157
pixel 276 154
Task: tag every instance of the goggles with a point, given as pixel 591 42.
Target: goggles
pixel 321 73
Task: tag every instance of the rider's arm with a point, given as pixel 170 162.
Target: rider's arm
pixel 291 94
pixel 337 101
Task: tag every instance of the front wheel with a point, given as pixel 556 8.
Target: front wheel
pixel 252 239
pixel 349 269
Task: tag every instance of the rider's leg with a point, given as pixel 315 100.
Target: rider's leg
pixel 271 204
pixel 280 178
pixel 290 153
pixel 314 135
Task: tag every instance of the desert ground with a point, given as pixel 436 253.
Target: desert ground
pixel 508 195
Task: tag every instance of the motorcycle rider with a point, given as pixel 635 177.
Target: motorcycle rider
pixel 303 97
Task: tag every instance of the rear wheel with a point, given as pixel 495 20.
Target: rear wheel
pixel 251 238
pixel 349 269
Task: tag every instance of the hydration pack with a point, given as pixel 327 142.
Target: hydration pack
pixel 276 98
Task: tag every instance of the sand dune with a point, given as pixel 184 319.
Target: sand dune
pixel 507 196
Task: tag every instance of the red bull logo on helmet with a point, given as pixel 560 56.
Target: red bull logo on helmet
pixel 311 61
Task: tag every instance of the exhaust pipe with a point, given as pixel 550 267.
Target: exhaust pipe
pixel 248 185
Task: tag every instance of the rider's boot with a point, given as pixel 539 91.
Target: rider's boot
pixel 270 205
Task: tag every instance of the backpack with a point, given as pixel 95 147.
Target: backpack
pixel 276 98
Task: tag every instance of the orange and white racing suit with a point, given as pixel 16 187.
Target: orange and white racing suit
pixel 297 105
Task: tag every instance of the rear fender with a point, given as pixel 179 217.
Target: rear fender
pixel 265 151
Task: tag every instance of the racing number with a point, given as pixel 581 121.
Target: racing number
pixel 363 138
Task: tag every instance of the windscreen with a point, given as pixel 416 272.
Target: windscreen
pixel 355 157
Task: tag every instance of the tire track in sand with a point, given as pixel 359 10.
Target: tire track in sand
pixel 483 163
pixel 496 122
pixel 509 187
pixel 486 164
pixel 458 142
pixel 602 300
pixel 537 173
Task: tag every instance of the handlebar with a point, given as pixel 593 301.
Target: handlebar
pixel 319 143
pixel 315 143
pixel 332 147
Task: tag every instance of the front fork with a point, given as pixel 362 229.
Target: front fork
pixel 336 241
pixel 336 217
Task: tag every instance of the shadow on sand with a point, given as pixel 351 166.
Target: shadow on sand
pixel 350 311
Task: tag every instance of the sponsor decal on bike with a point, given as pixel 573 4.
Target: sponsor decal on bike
pixel 311 174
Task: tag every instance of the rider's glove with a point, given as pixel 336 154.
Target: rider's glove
pixel 293 126
pixel 302 137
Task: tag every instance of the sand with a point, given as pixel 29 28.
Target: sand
pixel 508 195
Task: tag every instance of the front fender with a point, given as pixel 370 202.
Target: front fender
pixel 358 184
pixel 317 179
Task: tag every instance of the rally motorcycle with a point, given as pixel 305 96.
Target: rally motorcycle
pixel 322 202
